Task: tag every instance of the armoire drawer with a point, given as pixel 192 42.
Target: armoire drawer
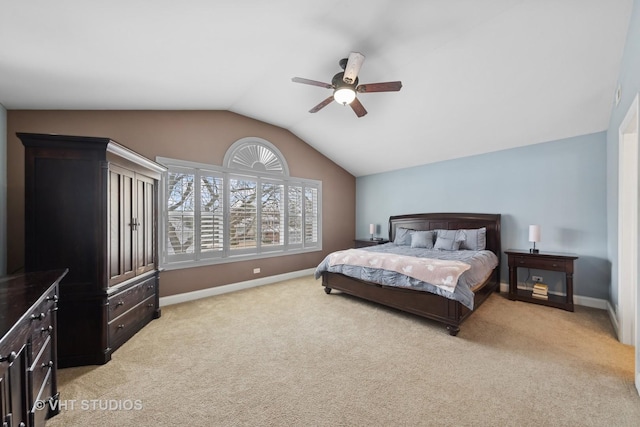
pixel 129 323
pixel 123 301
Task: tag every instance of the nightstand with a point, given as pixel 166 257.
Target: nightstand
pixel 541 261
pixel 362 243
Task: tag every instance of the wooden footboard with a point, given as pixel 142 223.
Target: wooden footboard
pixel 424 304
pixel 431 306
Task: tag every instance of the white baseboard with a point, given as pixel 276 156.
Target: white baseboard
pixel 591 302
pixel 232 287
pixel 601 304
pixel 613 318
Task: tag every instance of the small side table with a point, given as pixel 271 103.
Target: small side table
pixel 541 261
pixel 362 243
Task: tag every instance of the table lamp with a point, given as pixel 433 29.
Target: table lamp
pixel 534 236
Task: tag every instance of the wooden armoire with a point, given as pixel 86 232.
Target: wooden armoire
pixel 91 205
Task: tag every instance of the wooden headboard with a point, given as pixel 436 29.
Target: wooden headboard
pixel 450 221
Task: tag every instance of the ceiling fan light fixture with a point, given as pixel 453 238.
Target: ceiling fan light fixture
pixel 344 95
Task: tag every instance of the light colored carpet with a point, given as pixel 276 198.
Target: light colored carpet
pixel 287 354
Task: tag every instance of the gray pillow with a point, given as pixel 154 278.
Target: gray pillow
pixel 422 239
pixel 403 236
pixel 446 244
pixel 476 239
pixel 449 240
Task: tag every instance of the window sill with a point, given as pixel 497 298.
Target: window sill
pixel 178 265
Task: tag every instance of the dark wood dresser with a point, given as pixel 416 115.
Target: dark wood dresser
pixel 91 206
pixel 28 388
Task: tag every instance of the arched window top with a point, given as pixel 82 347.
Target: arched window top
pixel 256 154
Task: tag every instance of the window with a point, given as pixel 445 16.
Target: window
pixel 249 208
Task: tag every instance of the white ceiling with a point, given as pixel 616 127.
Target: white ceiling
pixel 478 76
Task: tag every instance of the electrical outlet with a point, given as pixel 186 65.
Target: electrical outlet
pixel 536 278
pixel 256 270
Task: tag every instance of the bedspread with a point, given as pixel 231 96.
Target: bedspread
pixel 440 273
pixel 481 264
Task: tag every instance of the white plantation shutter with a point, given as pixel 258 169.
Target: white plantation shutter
pixel 211 213
pixel 180 227
pixel 249 209
pixel 295 208
pixel 310 215
pixel 272 215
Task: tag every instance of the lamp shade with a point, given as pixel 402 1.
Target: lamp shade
pixel 344 95
pixel 372 228
pixel 534 233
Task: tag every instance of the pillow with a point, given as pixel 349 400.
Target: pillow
pixel 403 236
pixel 476 239
pixel 422 239
pixel 449 240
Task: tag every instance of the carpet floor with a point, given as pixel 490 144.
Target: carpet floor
pixel 287 354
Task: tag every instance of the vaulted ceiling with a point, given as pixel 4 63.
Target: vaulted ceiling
pixel 478 76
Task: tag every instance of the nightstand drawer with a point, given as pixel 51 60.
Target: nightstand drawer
pixel 540 263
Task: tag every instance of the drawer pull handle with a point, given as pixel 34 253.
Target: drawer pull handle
pixel 37 316
pixel 46 330
pixel 49 364
pixel 121 326
pixel 53 298
pixel 10 358
pixel 149 286
pixel 151 305
pixel 119 303
pixel 554 265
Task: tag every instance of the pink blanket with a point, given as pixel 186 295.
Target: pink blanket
pixel 441 273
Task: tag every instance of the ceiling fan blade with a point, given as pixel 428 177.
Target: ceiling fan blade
pixel 380 87
pixel 352 68
pixel 311 82
pixel 322 105
pixel 358 108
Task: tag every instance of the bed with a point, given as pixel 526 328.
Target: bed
pixel 441 306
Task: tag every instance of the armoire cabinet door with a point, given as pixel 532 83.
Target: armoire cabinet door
pixel 122 224
pixel 145 208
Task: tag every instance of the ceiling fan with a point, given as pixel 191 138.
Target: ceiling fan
pixel 345 85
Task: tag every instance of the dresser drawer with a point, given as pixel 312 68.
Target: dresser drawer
pixel 125 326
pixel 540 263
pixel 122 302
pixel 41 333
pixel 43 402
pixel 40 367
pixel 41 323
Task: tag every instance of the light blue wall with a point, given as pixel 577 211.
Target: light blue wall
pixel 560 185
pixel 629 80
pixel 3 190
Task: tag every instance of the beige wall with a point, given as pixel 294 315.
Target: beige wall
pixel 201 136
